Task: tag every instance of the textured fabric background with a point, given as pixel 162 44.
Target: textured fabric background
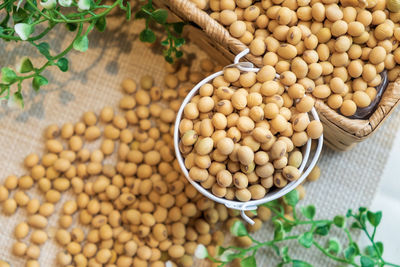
pixel 348 179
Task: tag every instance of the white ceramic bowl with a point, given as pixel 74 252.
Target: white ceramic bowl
pixel 272 195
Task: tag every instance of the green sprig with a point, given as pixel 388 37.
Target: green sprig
pixel 316 234
pixel 20 22
pixel 173 40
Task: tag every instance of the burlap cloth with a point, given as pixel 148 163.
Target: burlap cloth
pixel 349 179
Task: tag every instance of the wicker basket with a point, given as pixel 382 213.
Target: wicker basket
pixel 340 133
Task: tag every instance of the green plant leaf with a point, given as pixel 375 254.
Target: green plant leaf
pixel 8 75
pixel 374 217
pixel 65 3
pixel 291 198
pixel 147 36
pixel 101 24
pixel 308 211
pixel 279 232
pixel 362 209
pixel 48 4
pixel 349 253
pixel 71 26
pixel 366 261
pixel 306 239
pixel 339 221
pixel 169 59
pixel 178 27
pixel 380 247
pixel 334 246
pixel 179 42
pixel 220 250
pixel 18 98
pixel 165 42
pixel 370 251
pixel 160 15
pixel 231 254
pixel 349 213
pixel 38 81
pixel 62 64
pixel 323 229
pixel 25 65
pixel 356 225
pixel 285 254
pixel 44 49
pixel 178 54
pixel 23 30
pixel 287 227
pixel 201 252
pixel 238 229
pixel 84 4
pixel 141 15
pixel 248 262
pixel 81 43
pixel 299 263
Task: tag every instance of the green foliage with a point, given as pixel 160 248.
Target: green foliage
pixel 21 18
pixel 309 232
pixel 173 40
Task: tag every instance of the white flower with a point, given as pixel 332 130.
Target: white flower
pixel 23 30
pixel 84 4
pixel 201 252
pixel 49 4
pixel 65 3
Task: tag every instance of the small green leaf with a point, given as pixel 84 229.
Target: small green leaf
pixel 48 4
pixel 285 254
pixel 299 263
pixel 23 30
pixel 25 65
pixel 356 225
pixel 71 26
pixel 323 229
pixel 370 251
pixel 201 252
pixel 374 217
pixel 308 211
pixel 179 42
pixel 81 43
pixel 334 246
pixel 238 229
pixel 65 3
pixel 291 198
pixel 380 247
pixel 169 59
pixel 248 262
pixel 8 75
pixel 18 98
pixel 141 15
pixel 39 81
pixel 62 64
pixel 349 253
pixel 366 261
pixel 349 213
pixel 306 239
pixel 101 24
pixel 165 42
pixel 362 209
pixel 287 227
pixel 178 27
pixel 220 250
pixel 147 36
pixel 178 54
pixel 44 49
pixel 339 221
pixel 160 15
pixel 231 254
pixel 84 4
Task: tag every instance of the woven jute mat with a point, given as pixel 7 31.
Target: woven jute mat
pixel 348 179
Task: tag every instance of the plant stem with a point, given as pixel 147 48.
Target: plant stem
pixel 326 253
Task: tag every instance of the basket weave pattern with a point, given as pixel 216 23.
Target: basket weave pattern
pixel 341 133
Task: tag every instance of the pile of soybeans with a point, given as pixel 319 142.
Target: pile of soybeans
pixel 337 50
pixel 139 210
